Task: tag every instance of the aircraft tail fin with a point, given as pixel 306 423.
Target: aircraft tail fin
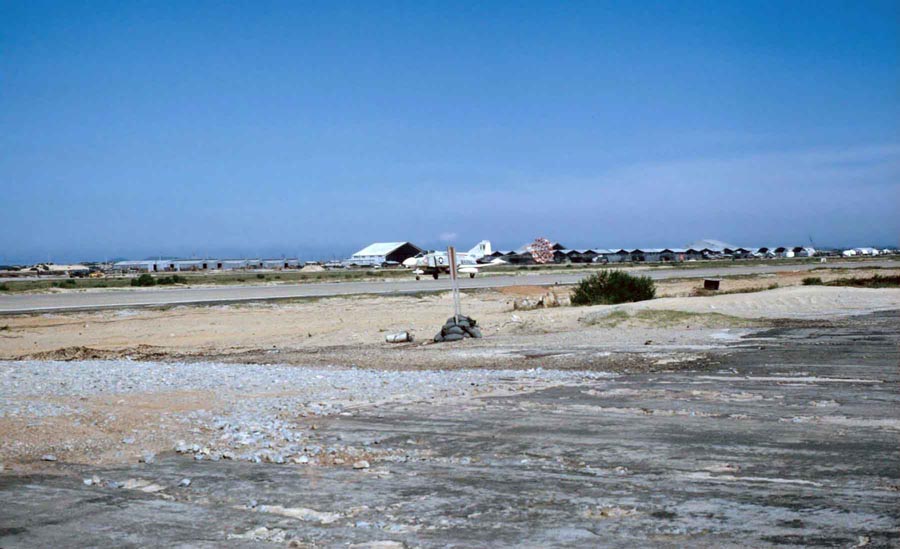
pixel 481 249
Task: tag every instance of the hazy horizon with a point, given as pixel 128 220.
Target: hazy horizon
pixel 266 129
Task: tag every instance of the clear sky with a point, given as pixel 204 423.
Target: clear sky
pixel 131 129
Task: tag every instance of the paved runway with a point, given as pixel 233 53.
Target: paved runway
pixel 139 297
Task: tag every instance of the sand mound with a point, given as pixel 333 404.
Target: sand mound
pixel 795 302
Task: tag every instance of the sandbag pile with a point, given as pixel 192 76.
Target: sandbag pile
pixel 455 331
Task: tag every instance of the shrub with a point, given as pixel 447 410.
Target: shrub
pixel 68 283
pixel 812 281
pixel 143 280
pixel 169 280
pixel 4 287
pixel 610 287
pixel 261 276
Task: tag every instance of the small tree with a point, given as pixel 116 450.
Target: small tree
pixel 611 287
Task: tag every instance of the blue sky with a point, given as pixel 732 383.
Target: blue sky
pixel 131 129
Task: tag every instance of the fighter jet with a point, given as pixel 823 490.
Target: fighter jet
pixel 436 262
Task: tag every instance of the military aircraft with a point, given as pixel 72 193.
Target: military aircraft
pixel 436 262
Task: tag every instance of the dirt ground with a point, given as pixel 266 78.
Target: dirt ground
pixel 789 439
pixel 351 330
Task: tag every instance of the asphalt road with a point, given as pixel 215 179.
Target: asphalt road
pixel 140 297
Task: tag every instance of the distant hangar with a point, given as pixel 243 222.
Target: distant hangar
pixel 382 253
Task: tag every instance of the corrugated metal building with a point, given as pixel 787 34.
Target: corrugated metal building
pixel 381 253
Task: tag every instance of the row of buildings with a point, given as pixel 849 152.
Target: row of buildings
pixel 394 253
pixel 704 249
pixel 178 265
pixel 386 254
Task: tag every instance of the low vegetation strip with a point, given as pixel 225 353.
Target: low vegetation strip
pixel 200 278
pixel 877 281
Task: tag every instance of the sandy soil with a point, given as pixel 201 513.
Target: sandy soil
pixel 669 333
pixel 351 330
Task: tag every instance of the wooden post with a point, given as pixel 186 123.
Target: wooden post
pixel 454 281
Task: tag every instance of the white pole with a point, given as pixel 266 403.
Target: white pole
pixel 454 282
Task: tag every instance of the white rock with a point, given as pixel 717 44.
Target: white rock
pixel 301 513
pixel 361 464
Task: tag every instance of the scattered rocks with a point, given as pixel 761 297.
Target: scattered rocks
pixel 273 535
pixel 546 301
pixel 300 513
pixel 611 512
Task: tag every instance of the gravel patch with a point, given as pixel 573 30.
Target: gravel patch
pixel 263 413
pixel 317 385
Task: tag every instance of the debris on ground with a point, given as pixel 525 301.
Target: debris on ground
pixel 546 301
pixel 400 337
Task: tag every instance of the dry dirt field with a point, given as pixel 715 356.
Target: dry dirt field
pixel 351 330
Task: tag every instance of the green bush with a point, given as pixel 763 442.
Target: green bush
pixel 610 287
pixel 143 280
pixel 261 276
pixel 169 280
pixel 4 287
pixel 812 281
